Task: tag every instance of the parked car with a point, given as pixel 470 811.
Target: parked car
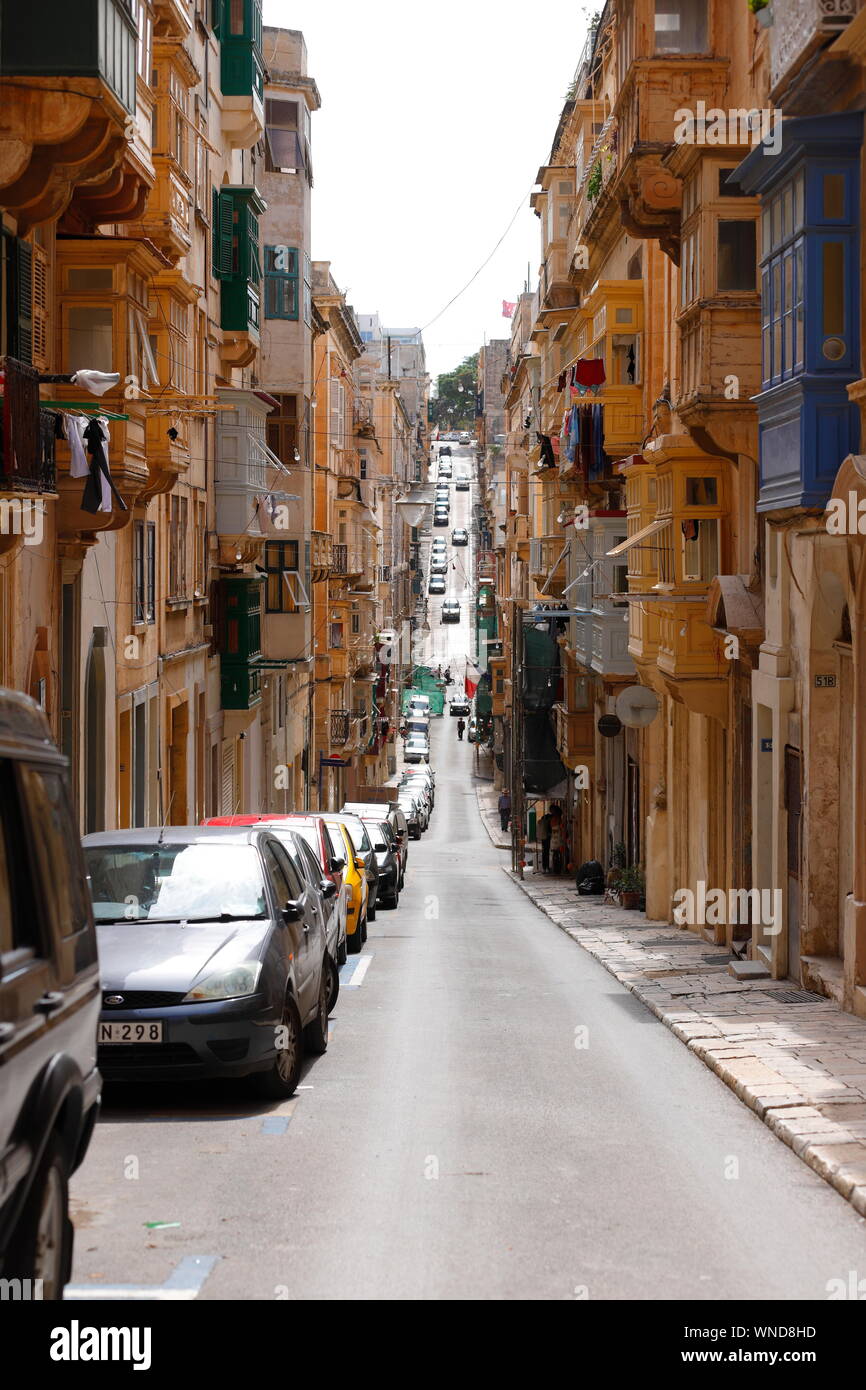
pixel 355 878
pixel 416 723
pixel 387 858
pixel 451 611
pixel 417 749
pixel 438 568
pixel 364 851
pixel 303 836
pixel 460 536
pixel 49 1001
pixel 422 791
pixel 438 543
pixel 463 485
pixel 214 960
pixel 393 813
pixel 459 706
pixel 440 518
pixel 411 807
pixel 419 702
pixel 472 730
pixel 465 437
pixel 437 584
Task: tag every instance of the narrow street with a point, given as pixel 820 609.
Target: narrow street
pixel 557 1168
pixel 455 1142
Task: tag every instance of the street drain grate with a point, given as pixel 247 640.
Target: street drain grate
pixel 794 996
pixel 716 959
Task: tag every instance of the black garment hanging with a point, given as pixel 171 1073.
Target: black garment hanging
pixel 548 457
pixel 92 498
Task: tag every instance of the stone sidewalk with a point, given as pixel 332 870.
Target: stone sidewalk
pixel 792 1056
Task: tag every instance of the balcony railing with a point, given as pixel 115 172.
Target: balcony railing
pixel 341 727
pixel 800 27
pixel 341 560
pixel 27 433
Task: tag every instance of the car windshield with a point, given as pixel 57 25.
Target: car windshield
pixel 338 844
pixel 360 838
pixel 136 883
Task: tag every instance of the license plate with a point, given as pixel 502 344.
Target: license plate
pixel 129 1033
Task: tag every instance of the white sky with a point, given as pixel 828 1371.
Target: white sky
pixel 433 124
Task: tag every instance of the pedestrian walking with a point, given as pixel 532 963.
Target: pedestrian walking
pixel 543 832
pixel 461 728
pixel 556 839
pixel 505 810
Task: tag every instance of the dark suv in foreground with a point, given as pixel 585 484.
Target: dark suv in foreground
pixel 49 1004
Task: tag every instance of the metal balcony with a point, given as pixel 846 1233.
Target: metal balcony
pixel 27 433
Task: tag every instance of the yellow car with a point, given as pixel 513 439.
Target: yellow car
pixel 355 878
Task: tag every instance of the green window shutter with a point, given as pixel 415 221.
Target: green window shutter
pixel 24 302
pixel 254 266
pixel 281 283
pixel 222 232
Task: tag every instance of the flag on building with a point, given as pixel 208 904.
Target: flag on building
pixel 471 679
pixel 508 309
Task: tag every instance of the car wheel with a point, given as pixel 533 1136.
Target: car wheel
pixel 364 931
pixel 355 941
pixel 41 1247
pixel 343 951
pixel 394 901
pixel 281 1079
pixel 333 983
pixel 371 917
pixel 316 1033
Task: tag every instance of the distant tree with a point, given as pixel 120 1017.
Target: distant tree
pixel 451 408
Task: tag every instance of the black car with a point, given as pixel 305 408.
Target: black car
pixel 387 859
pixel 459 706
pixel 49 1003
pixel 213 956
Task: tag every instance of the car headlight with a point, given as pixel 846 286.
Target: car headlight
pixel 233 983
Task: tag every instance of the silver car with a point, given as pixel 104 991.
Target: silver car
pixel 212 953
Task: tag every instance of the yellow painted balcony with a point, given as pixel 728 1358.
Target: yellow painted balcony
pixel 547 564
pixel 339 663
pixel 321 555
pixel 575 735
pixel 691 657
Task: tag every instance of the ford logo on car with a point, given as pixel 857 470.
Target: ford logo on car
pixel 114 999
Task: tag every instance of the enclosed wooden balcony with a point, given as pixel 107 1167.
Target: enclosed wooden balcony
pixel 799 79
pixel 67 93
pixel 575 735
pixel 321 556
pixel 547 564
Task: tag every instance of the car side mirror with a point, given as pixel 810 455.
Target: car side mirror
pixel 329 888
pixel 359 863
pixel 293 912
pixel 337 865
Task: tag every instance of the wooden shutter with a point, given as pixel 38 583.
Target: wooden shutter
pixel 228 782
pixel 223 232
pixel 39 308
pixel 24 302
pixel 255 270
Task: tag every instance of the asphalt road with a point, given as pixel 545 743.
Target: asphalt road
pixel 454 1142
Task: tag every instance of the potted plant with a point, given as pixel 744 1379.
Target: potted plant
pixel 631 886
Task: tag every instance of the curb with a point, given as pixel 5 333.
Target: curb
pixel 786 1112
pixel 495 834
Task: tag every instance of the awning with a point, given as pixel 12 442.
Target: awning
pixel 639 536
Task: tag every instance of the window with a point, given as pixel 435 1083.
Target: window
pixel 681 26
pixel 736 261
pixel 338 413
pixel 144 25
pixel 138 572
pixel 56 850
pixel 335 637
pixel 281 558
pixel 140 351
pixel 356 624
pixel 783 283
pixel 200 543
pixel 178 522
pixel 90 338
pixel 700 549
pixel 690 271
pixel 281 283
pixel 702 492
pixel 282 429
pixel 283 154
pixel 625 353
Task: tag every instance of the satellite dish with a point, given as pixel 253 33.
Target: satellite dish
pixel 637 706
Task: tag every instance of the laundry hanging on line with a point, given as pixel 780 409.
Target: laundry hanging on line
pixel 90 436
